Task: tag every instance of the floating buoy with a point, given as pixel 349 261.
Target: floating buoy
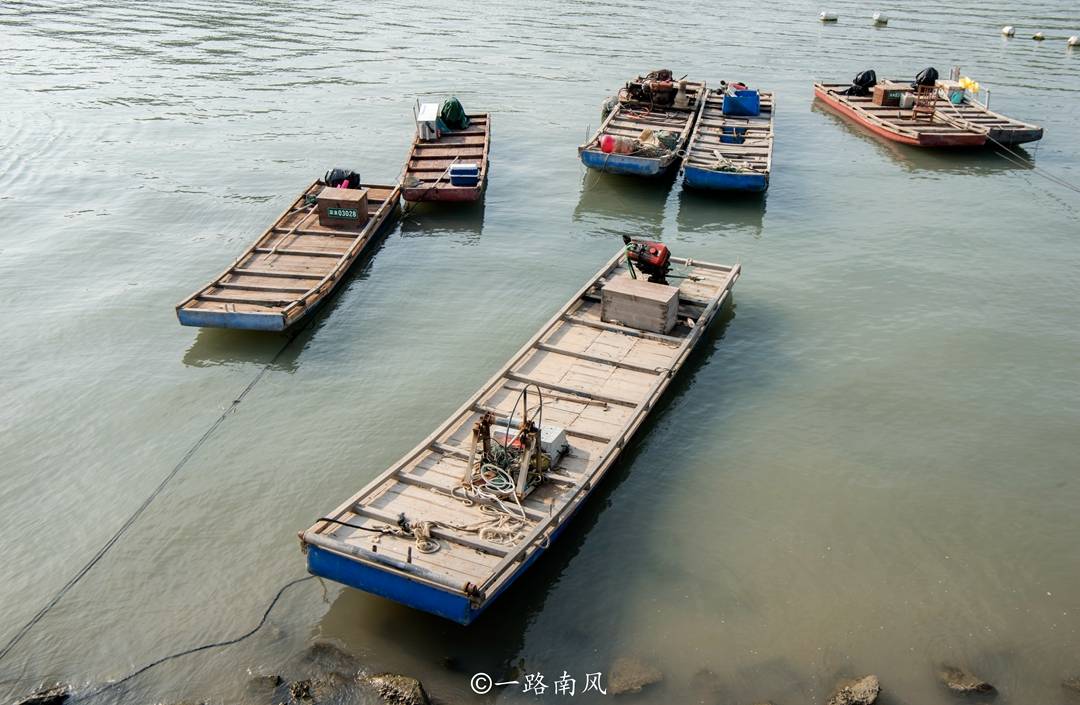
pixel 880 18
pixel 1008 30
pixel 828 16
pixel 1038 36
pixel 1074 41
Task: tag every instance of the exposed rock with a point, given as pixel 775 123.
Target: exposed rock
pixel 300 690
pixel 398 690
pixel 863 691
pixel 630 675
pixel 960 680
pixel 55 695
pixel 1072 684
pixel 324 689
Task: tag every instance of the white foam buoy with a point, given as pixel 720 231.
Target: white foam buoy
pixel 1038 36
pixel 828 16
pixel 1074 41
pixel 1008 30
pixel 880 18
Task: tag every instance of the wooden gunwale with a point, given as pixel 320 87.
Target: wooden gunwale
pixel 598 460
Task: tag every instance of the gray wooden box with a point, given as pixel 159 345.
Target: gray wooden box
pixel 640 304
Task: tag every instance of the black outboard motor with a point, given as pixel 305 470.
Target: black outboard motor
pixel 926 77
pixel 337 176
pixel 861 84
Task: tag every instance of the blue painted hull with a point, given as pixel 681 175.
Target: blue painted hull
pixel 724 180
pixel 234 319
pixel 624 163
pixel 400 588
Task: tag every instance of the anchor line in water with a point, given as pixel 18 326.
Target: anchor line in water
pixel 107 546
pixel 1012 156
pixel 203 647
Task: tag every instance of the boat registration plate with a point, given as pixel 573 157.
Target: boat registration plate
pixel 349 213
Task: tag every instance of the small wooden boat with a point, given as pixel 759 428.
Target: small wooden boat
pixel 427 175
pixel 628 119
pixel 728 152
pixel 968 124
pixel 292 268
pixel 422 534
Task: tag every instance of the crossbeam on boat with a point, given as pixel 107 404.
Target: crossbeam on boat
pixel 263 287
pixel 595 437
pixel 437 532
pixel 283 273
pixel 415 481
pixel 547 347
pixel 328 233
pixel 600 325
pixel 517 377
pixel 298 253
pixel 241 300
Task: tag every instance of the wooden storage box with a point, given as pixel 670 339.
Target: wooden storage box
pixel 888 93
pixel 342 206
pixel 640 304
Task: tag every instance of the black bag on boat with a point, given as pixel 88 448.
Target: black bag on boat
pixel 862 83
pixel 926 77
pixel 337 176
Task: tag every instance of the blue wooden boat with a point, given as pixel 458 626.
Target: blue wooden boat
pixel 292 268
pixel 731 152
pixel 629 118
pixel 443 530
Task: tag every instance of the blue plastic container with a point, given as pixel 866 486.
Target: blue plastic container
pixel 745 103
pixel 732 135
pixel 465 174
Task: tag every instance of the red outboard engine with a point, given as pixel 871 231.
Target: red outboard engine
pixel 650 257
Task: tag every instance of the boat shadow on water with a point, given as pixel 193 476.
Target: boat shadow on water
pixel 464 221
pixel 973 161
pixel 721 213
pixel 442 653
pixel 214 347
pixel 616 203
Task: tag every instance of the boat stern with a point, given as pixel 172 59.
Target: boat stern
pixel 622 163
pixel 710 180
pixel 239 320
pixel 391 584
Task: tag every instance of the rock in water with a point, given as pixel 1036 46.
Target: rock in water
pixel 300 690
pixel 630 675
pixel 860 692
pixel 963 681
pixel 47 696
pixel 1072 684
pixel 398 690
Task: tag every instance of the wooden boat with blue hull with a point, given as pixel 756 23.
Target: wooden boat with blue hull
pixel 729 152
pixel 292 268
pixel 423 534
pixel 628 119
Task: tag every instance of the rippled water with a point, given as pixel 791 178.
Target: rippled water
pixel 872 467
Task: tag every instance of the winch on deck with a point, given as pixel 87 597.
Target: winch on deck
pixel 508 457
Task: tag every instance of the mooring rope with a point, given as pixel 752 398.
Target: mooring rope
pixel 26 628
pixel 203 647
